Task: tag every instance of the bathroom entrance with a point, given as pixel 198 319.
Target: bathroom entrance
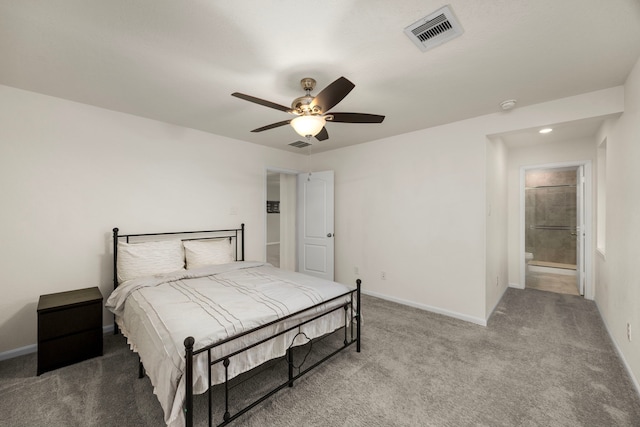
pixel 554 229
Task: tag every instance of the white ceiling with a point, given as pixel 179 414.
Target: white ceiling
pixel 179 61
pixel 584 130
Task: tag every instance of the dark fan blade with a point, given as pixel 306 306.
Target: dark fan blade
pixel 356 118
pixel 272 126
pixel 332 94
pixel 323 134
pixel 261 102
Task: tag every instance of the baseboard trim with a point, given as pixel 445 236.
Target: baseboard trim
pixel 471 319
pixel 32 348
pixel 634 380
pixel 516 286
pixel 16 352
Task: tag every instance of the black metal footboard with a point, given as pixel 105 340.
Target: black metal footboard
pixel 352 316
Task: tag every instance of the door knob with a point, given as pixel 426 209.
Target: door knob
pixel 329 235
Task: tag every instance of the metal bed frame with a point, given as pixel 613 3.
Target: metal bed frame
pixel 352 316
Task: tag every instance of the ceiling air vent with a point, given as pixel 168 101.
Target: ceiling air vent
pixel 299 144
pixel 435 29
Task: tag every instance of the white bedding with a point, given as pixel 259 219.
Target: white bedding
pixel 212 303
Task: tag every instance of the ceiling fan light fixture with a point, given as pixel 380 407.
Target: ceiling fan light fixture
pixel 313 112
pixel 308 126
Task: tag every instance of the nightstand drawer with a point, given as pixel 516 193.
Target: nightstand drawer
pixel 64 351
pixel 59 323
pixel 69 328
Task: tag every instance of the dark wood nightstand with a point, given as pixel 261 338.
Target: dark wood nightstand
pixel 69 328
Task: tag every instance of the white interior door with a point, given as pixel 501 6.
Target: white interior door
pixel 580 230
pixel 315 224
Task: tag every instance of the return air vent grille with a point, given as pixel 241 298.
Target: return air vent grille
pixel 435 29
pixel 299 144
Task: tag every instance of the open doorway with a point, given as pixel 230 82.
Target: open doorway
pixel 281 219
pixel 299 221
pixel 551 205
pixel 556 233
pixel 273 218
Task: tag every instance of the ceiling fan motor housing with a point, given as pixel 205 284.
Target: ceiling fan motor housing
pixel 300 105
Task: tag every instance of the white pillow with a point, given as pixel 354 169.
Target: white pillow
pixel 149 258
pixel 208 252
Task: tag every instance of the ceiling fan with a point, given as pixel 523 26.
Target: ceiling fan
pixel 313 112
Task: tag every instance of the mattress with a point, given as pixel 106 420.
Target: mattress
pixel 211 304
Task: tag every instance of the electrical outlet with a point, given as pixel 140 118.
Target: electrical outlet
pixel 355 270
pixel 383 275
pixel 629 331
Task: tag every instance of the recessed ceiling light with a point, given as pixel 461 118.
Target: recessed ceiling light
pixel 545 130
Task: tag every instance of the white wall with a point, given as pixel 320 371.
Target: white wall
pixel 496 237
pixel 69 173
pixel 415 206
pixel 618 281
pixel 566 151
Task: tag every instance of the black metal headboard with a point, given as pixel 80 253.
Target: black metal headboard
pixel 233 233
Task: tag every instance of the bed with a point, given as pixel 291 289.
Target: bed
pixel 198 315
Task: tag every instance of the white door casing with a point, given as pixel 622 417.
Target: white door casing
pixel 580 230
pixel 315 224
pixel 586 229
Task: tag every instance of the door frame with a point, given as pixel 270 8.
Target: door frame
pixel 588 220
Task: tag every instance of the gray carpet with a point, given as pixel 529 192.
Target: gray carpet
pixel 544 360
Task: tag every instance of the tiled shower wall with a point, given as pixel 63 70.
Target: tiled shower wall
pixel 551 203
